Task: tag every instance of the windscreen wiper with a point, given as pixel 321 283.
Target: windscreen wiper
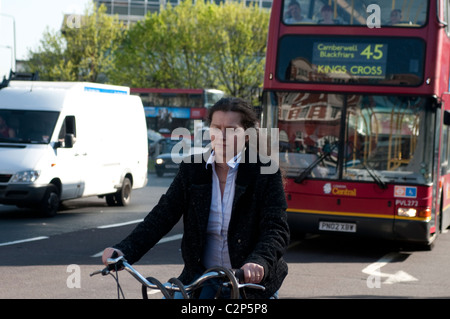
pixel 300 178
pixel 375 177
pixel 308 170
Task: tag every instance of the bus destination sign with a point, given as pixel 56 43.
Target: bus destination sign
pixel 350 60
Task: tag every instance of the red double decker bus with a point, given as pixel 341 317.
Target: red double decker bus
pixel 360 95
pixel 168 109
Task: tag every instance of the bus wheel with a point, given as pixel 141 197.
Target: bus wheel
pixel 50 203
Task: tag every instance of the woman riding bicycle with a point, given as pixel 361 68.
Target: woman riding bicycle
pixel 234 215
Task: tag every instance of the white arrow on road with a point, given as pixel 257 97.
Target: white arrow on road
pixel 375 275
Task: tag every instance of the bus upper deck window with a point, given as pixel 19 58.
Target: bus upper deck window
pixel 354 13
pixel 293 13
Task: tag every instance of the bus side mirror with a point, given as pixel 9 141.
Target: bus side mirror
pixel 447 117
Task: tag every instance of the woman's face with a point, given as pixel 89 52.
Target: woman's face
pixel 227 135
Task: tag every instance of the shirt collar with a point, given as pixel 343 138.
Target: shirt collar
pixel 232 163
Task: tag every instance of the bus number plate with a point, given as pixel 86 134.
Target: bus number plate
pixel 339 227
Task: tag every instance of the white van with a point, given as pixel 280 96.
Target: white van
pixel 65 140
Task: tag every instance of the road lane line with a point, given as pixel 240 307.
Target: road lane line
pixel 162 241
pixel 120 224
pixel 23 241
pixel 170 238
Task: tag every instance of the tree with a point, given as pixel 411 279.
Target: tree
pixel 240 33
pixel 49 61
pixel 166 49
pixel 196 46
pixel 191 45
pixel 80 51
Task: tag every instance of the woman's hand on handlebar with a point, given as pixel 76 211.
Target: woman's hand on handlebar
pixel 110 253
pixel 253 273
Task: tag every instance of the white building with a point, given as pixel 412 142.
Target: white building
pixel 133 10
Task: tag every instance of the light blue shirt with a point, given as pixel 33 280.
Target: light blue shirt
pixel 216 250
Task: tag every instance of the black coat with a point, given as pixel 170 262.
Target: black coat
pixel 258 230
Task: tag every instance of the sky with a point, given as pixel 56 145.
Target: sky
pixel 31 19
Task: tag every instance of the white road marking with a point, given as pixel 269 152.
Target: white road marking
pixel 120 224
pixel 23 241
pixel 170 238
pixel 375 275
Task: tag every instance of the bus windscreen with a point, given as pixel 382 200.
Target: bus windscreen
pixel 355 60
pixel 354 137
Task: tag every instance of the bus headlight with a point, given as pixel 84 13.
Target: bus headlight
pixel 407 212
pixel 413 212
pixel 25 177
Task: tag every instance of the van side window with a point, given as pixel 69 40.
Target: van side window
pixel 68 127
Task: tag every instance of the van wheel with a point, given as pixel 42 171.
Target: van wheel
pixel 122 197
pixel 50 203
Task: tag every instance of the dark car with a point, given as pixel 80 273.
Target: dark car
pixel 169 159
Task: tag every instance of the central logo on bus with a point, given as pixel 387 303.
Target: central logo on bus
pixel 341 190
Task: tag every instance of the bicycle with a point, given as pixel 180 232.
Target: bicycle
pixel 232 279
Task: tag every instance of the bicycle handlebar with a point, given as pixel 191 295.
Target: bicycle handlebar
pixel 174 285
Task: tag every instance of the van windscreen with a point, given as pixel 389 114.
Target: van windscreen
pixel 27 126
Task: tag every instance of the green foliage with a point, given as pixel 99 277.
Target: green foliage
pixel 81 51
pixel 240 48
pixel 199 45
pixel 50 61
pixel 196 46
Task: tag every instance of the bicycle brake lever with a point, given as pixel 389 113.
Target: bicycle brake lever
pixel 114 263
pixel 104 272
pixel 253 286
pixel 95 273
pixel 248 285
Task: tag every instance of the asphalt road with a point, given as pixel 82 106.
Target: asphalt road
pixel 51 258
